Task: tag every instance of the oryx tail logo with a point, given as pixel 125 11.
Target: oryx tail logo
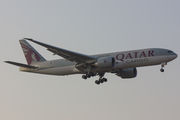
pixel 30 54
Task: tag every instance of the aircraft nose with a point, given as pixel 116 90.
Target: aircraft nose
pixel 175 55
pixel 172 56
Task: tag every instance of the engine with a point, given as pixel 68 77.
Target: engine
pixel 105 62
pixel 127 73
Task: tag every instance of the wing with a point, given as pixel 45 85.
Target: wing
pixel 68 55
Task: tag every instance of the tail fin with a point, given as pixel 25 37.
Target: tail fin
pixel 31 55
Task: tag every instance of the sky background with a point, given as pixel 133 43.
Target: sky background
pixel 89 27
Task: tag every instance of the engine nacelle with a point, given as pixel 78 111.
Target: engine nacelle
pixel 127 73
pixel 105 62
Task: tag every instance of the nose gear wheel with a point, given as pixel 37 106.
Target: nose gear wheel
pixel 162 66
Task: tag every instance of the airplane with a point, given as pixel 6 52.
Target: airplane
pixel 122 64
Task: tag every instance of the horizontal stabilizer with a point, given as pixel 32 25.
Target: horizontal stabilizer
pixel 20 64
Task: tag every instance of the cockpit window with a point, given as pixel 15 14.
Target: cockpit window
pixel 170 51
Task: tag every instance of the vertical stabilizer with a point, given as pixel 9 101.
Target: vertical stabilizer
pixel 31 55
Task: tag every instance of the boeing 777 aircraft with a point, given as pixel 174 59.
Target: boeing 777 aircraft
pixel 123 64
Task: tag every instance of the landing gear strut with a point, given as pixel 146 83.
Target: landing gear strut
pixel 162 66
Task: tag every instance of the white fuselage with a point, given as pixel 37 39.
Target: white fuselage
pixel 127 59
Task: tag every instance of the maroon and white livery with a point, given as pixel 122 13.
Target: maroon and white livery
pixel 123 64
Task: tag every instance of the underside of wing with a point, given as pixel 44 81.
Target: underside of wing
pixel 68 55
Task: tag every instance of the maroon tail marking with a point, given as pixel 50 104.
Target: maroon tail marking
pixel 28 54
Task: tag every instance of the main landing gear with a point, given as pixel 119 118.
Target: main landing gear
pixel 162 66
pixel 88 75
pixel 101 79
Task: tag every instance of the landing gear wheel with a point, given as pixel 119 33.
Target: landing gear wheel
pixel 162 70
pixel 88 75
pixel 104 79
pixel 97 82
pixel 84 77
pixel 162 66
pixel 101 80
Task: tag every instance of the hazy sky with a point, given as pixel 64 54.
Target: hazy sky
pixel 89 27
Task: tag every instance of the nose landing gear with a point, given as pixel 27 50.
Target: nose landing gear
pixel 162 70
pixel 162 66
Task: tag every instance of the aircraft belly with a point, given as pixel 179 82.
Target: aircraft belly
pixel 59 70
